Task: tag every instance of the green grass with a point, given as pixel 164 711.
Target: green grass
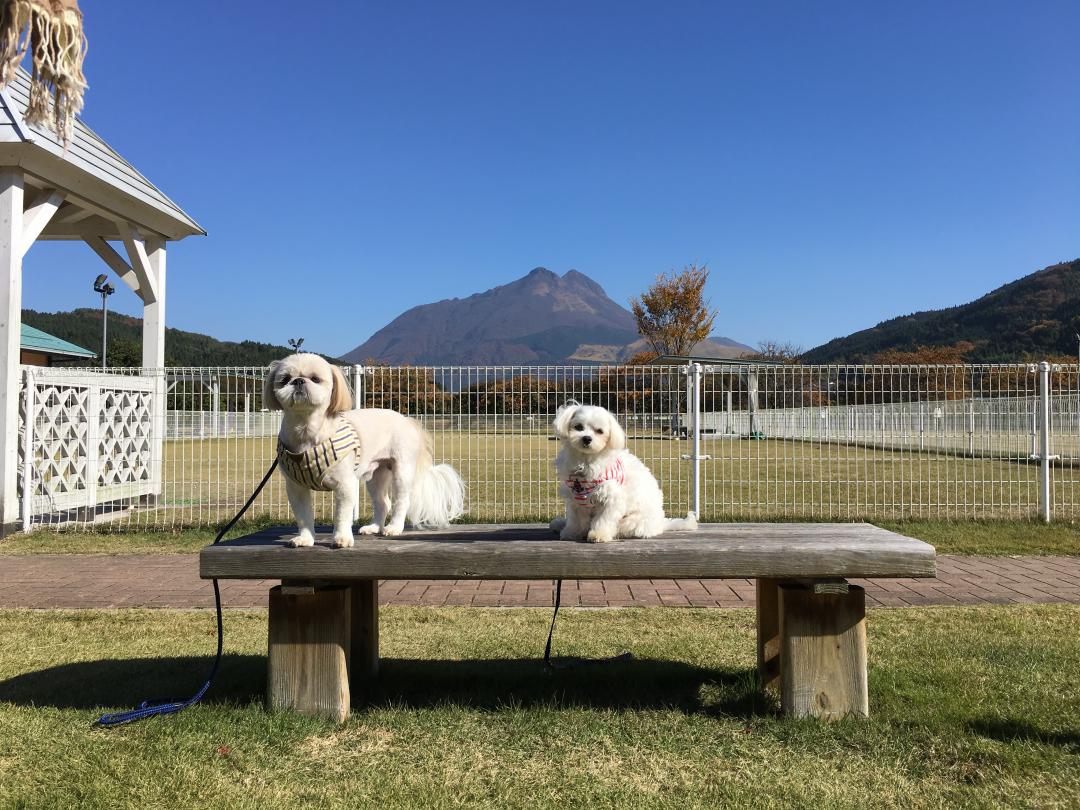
pixel 511 477
pixel 997 537
pixel 1002 537
pixel 970 707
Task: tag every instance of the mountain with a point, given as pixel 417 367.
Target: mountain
pixel 539 319
pixel 1035 316
pixel 83 328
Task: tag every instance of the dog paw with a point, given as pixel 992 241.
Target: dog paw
pixel 569 534
pixel 342 541
pixel 558 524
pixel 599 536
pixel 392 530
pixel 370 528
pixel 302 540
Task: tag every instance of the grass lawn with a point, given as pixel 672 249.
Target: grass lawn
pixel 511 478
pixel 970 707
pixel 1016 537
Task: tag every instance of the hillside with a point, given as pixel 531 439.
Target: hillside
pixel 1035 316
pixel 541 318
pixel 83 328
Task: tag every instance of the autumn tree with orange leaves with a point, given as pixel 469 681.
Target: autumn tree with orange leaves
pixel 672 315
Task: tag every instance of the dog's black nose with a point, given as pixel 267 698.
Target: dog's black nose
pixel 586 440
pixel 298 382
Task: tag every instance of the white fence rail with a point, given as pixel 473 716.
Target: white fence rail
pixel 181 447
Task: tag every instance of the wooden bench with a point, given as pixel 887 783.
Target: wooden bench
pixel 811 625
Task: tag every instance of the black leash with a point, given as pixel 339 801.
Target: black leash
pixel 554 616
pixel 151 708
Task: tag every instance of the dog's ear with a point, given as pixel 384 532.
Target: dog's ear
pixel 269 401
pixel 563 417
pixel 617 440
pixel 341 399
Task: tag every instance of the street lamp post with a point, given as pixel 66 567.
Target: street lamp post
pixel 102 286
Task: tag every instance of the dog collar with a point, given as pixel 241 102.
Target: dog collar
pixel 582 488
pixel 309 467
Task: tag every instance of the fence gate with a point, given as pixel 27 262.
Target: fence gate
pixel 87 440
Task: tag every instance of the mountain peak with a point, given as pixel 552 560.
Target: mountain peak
pixel 538 319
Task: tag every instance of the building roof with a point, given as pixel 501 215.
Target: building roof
pixel 38 341
pixel 89 167
pixel 678 359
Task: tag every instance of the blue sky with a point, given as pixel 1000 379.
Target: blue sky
pixel 834 163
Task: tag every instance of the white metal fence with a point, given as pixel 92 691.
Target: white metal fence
pixel 185 447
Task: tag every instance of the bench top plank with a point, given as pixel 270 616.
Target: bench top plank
pixel 714 551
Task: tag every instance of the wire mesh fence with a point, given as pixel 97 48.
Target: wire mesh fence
pixel 146 449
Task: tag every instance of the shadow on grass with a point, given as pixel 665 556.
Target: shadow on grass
pixel 1011 729
pixel 410 683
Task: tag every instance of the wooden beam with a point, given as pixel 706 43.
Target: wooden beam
pixel 714 551
pixel 114 260
pixel 92 225
pixel 823 653
pixel 308 653
pixel 37 216
pixel 140 263
pixel 11 231
pixel 364 660
pixel 72 213
pixel 768 633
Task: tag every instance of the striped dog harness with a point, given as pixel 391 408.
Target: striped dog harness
pixel 583 488
pixel 309 468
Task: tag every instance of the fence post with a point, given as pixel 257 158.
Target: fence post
pixel 358 401
pixel 695 425
pixel 28 449
pixel 1044 439
pixel 358 385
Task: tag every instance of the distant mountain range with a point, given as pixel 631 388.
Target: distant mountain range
pixel 1033 317
pixel 539 319
pixel 83 328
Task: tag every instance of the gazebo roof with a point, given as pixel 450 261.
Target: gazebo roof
pixel 96 178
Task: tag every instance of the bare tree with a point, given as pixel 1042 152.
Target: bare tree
pixel 672 314
pixel 777 352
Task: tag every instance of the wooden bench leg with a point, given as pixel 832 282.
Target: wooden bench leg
pixel 308 652
pixel 364 664
pixel 768 634
pixel 823 653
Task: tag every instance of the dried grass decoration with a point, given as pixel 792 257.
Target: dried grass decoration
pixel 53 30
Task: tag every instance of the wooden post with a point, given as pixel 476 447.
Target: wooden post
pixel 153 356
pixel 823 653
pixel 768 634
pixel 11 254
pixel 364 664
pixel 308 658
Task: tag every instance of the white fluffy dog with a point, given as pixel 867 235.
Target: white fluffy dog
pixel 326 445
pixel 608 491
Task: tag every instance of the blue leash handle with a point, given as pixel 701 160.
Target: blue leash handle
pixel 152 708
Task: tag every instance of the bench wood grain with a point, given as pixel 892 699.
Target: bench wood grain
pixel 715 551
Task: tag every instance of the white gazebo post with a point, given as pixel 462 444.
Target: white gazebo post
pixel 82 191
pixel 11 216
pixel 153 353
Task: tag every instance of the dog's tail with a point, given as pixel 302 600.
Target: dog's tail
pixel 686 524
pixel 438 497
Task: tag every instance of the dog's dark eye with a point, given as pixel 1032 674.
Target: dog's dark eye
pixel 285 379
pixel 578 427
pixel 315 380
pixel 599 432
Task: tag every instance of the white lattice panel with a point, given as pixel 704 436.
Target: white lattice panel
pixel 92 440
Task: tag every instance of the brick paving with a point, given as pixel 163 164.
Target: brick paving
pixel 172 581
